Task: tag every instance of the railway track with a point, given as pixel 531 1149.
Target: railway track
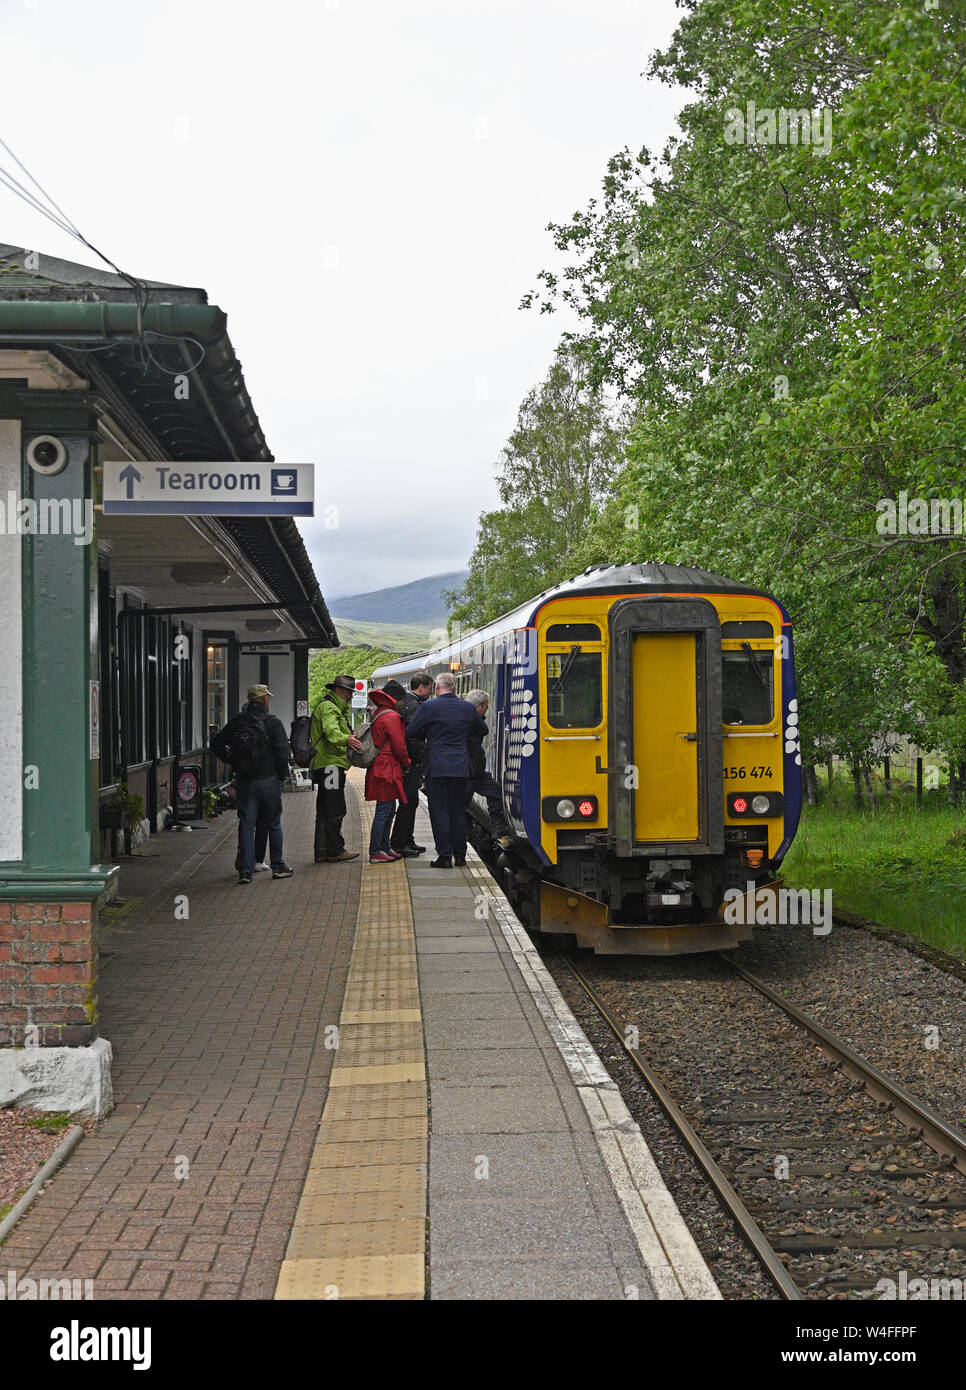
pixel 836 1176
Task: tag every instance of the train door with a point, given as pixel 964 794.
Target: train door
pixel 665 722
pixel 665 740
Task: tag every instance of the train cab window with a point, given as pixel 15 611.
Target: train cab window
pixel 734 632
pixel 573 632
pixel 747 686
pixel 574 690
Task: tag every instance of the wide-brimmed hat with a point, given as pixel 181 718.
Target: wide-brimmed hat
pixel 341 683
pixel 381 699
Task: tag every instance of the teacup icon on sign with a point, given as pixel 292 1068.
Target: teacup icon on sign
pixel 284 482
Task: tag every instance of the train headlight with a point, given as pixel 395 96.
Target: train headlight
pixel 557 808
pixel 756 804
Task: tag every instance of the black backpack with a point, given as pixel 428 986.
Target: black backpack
pixel 248 745
pixel 303 750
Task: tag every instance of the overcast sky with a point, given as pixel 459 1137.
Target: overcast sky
pixel 364 187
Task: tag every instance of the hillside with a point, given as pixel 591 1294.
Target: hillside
pixel 391 637
pixel 417 604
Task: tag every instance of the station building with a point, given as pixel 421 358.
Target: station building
pixel 126 638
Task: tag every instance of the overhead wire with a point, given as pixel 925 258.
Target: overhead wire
pixel 57 208
pixel 61 220
pixel 16 187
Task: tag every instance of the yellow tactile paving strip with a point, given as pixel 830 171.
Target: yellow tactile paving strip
pixel 360 1228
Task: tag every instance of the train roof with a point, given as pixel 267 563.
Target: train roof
pixel 610 579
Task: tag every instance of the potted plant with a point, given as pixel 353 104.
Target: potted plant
pixel 131 809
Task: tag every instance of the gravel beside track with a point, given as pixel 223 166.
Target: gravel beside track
pixel 861 1198
pixel 878 997
pixel 736 1270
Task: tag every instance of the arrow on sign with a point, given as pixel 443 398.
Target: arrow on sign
pixel 130 475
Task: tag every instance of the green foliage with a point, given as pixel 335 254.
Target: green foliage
pixel 130 805
pixel 52 1123
pixel 357 662
pixel 896 865
pixel 788 320
pixel 556 467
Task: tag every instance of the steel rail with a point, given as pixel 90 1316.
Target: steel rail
pixel 743 1218
pixel 925 1123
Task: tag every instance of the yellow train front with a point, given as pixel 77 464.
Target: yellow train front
pixel 644 735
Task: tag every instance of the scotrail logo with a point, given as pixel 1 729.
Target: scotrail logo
pixel 50 516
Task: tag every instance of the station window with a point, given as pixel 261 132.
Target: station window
pixel 573 632
pixel 217 685
pixel 574 689
pixel 747 686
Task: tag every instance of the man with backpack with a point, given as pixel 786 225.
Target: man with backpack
pixel 332 740
pixel 255 746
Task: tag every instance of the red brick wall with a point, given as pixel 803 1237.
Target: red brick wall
pixel 48 974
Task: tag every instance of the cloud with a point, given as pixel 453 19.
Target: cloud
pixel 364 188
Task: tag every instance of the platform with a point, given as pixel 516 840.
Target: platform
pixel 376 1087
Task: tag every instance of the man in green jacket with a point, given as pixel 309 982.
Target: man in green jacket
pixel 331 737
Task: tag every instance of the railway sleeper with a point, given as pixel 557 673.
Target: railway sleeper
pixel 954 1239
pixel 850 1202
pixel 833 1170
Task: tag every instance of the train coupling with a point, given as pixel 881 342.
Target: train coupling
pixel 669 883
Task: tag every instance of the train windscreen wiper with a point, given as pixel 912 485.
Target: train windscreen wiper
pixel 558 683
pixel 763 679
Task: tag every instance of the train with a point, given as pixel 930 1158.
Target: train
pixel 644 736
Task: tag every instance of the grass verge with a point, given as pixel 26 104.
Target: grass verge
pixel 894 863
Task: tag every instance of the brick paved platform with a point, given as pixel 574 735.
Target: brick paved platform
pixel 249 1157
pixel 218 1028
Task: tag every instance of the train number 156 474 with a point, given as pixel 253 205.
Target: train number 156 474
pixel 742 772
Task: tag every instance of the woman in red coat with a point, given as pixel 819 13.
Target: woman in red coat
pixel 384 780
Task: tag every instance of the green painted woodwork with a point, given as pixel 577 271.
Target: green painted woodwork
pixel 56 620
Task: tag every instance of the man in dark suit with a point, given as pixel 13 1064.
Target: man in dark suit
pixel 482 780
pixel 447 724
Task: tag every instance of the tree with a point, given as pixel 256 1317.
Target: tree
pixel 554 470
pixel 788 316
pixel 357 662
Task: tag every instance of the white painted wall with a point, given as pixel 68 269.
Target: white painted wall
pixel 281 682
pixel 248 669
pixel 11 666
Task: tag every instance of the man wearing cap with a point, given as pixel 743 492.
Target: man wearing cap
pixel 331 738
pixel 259 780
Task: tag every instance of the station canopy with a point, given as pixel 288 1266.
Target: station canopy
pixel 126 342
